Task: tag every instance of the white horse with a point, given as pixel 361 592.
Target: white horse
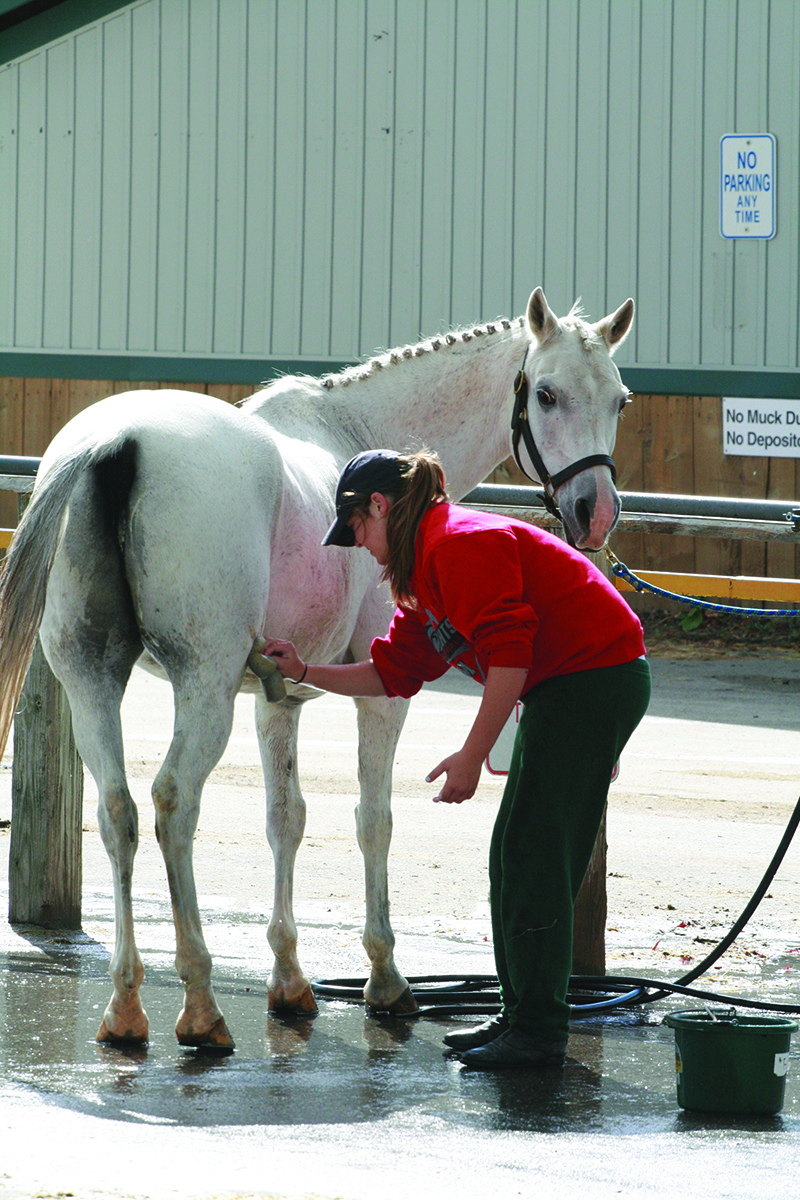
pixel 176 529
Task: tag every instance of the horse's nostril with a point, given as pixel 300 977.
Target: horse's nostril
pixel 583 515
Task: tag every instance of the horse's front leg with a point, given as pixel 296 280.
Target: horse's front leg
pixel 276 726
pixel 379 724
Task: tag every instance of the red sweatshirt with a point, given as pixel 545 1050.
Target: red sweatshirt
pixel 493 591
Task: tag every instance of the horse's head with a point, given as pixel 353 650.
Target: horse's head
pixel 575 398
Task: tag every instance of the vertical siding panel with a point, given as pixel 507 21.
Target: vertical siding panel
pixel 783 251
pixel 9 91
pixel 58 195
pixel 559 198
pixel 654 183
pixel 201 176
pixel 348 181
pixel 498 176
pixel 529 184
pixel 591 158
pixel 718 103
pixel 687 184
pixel 231 163
pixel 409 72
pixel 261 52
pixel 117 214
pixel 30 238
pixel 623 142
pixel 289 131
pixel 145 138
pixel 173 86
pixel 315 314
pixel 468 159
pixel 435 311
pixel 86 210
pixel 750 257
pixel 379 129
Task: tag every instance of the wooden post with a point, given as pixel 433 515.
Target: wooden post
pixel 591 909
pixel 45 862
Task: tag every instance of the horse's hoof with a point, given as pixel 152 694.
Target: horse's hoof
pixel 304 1003
pixel 218 1037
pixel 131 1037
pixel 401 1007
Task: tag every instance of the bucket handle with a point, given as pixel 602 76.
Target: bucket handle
pixel 730 1015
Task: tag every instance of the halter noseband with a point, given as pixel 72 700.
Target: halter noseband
pixel 520 428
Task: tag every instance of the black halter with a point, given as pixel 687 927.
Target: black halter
pixel 520 428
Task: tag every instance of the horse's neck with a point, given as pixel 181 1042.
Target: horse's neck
pixel 456 400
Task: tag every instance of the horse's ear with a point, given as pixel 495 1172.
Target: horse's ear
pixel 614 328
pixel 543 322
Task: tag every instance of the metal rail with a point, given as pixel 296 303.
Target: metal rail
pixel 18 472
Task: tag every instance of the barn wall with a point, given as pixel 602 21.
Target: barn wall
pixel 313 179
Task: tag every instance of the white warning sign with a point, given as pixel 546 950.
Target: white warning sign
pixel 763 428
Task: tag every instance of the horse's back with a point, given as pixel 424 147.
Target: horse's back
pixel 174 509
pixel 217 518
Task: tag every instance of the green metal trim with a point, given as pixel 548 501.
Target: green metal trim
pixel 146 367
pixel 21 33
pixel 14 11
pixel 659 381
pixel 711 381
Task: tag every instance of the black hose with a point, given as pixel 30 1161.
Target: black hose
pixel 454 995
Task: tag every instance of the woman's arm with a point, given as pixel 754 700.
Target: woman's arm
pixel 346 679
pixel 504 686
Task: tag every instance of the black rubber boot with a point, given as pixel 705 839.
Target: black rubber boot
pixel 516 1048
pixel 476 1035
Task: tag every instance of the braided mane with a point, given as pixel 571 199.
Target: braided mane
pixel 390 358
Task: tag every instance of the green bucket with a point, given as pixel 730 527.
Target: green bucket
pixel 729 1062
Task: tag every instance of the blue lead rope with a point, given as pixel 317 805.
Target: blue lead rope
pixel 622 572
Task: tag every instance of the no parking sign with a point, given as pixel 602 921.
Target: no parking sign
pixel 747 185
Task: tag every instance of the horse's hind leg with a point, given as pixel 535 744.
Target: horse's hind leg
pixel 276 725
pixel 98 735
pixel 379 724
pixel 91 640
pixel 203 718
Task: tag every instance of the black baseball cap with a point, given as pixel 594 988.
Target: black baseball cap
pixel 371 471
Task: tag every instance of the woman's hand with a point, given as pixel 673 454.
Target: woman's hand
pixel 504 686
pixel 287 660
pixel 463 774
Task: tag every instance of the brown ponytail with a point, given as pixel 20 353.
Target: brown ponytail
pixel 421 483
pixel 424 485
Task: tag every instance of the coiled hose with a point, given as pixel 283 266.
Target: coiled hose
pixel 452 995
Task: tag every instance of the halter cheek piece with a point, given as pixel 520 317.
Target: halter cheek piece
pixel 520 428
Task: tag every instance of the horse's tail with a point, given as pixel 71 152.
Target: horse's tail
pixel 26 570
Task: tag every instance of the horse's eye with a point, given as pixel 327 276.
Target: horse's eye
pixel 545 398
pixel 625 400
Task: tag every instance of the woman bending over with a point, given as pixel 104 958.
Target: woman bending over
pixel 531 619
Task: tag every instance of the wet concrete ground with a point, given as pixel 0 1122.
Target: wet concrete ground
pixel 342 1105
pixel 349 1106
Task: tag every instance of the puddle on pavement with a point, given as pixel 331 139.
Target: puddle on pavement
pixel 341 1067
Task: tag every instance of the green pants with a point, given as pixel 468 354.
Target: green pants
pixel 570 735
